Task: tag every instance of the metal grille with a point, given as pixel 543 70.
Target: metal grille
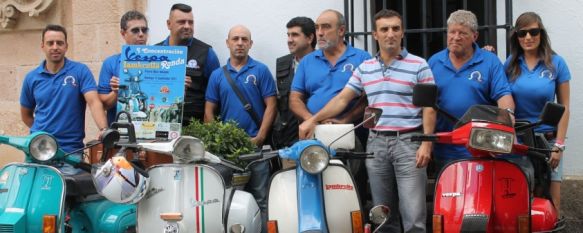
pixel 425 22
pixel 5 228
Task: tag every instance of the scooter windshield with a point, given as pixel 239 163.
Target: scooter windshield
pixel 485 113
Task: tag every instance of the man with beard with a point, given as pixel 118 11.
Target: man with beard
pixel 256 85
pixel 54 96
pixel 134 30
pixel 322 74
pixel 465 75
pixel 301 40
pixel 201 60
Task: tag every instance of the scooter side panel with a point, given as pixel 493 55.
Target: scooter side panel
pixel 340 198
pixel 282 201
pixel 244 210
pixel 511 196
pixel 464 188
pixel 30 191
pixel 195 191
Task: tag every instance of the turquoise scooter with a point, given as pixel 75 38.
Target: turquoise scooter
pixel 36 197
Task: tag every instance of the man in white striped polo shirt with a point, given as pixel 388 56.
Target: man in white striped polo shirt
pixel 397 173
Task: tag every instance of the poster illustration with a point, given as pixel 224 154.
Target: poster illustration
pixel 151 89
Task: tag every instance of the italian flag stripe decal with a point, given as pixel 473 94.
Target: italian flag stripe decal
pixel 199 197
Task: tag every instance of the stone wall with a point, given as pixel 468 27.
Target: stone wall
pixel 93 35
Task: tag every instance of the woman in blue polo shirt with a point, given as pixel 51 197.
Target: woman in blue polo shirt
pixel 536 75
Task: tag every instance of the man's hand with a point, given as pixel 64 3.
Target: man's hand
pixel 423 154
pixel 306 129
pixel 114 84
pixel 555 159
pixel 258 140
pixel 187 81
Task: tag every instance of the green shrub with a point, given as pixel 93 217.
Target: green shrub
pixel 224 139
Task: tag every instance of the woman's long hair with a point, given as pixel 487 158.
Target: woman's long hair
pixel 545 52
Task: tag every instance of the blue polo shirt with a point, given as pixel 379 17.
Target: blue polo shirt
pixel 212 61
pixel 109 68
pixel 319 81
pixel 533 88
pixel 255 82
pixel 481 80
pixel 58 102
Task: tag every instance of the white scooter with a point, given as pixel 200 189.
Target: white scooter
pixel 191 194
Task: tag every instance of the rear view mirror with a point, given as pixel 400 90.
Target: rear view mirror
pixel 552 114
pixel 109 138
pixel 371 117
pixel 379 214
pixel 425 95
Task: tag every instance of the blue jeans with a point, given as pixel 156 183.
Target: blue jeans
pixel 395 181
pixel 257 186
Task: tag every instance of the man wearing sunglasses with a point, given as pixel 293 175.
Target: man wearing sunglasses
pixel 201 60
pixel 134 30
pixel 465 76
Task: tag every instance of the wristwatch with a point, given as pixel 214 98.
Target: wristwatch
pixel 560 146
pixel 509 110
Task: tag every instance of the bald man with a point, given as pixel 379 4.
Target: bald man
pixel 257 85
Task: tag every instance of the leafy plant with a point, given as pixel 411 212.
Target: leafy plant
pixel 222 138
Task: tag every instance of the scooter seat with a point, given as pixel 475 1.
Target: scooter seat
pixel 80 185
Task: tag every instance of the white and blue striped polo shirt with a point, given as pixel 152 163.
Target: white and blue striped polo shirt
pixel 390 88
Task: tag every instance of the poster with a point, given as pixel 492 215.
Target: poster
pixel 152 89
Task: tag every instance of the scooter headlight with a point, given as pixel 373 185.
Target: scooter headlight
pixel 314 159
pixel 43 147
pixel 492 140
pixel 188 149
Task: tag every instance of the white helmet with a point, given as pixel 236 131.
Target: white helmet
pixel 119 181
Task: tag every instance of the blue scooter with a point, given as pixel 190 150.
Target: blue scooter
pixel 36 197
pixel 319 194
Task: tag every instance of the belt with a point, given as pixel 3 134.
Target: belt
pixel 395 133
pixel 550 135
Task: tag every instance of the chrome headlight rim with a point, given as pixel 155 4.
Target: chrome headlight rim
pixel 322 159
pixel 43 147
pixel 505 148
pixel 187 149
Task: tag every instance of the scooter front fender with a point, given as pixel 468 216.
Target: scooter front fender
pixel 339 194
pixel 27 193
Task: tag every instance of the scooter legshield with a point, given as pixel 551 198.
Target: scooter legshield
pixel 27 193
pixel 196 192
pixel 340 198
pixel 481 195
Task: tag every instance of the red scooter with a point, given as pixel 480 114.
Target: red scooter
pixel 485 193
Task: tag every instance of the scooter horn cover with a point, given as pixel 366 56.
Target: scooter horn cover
pixel 117 180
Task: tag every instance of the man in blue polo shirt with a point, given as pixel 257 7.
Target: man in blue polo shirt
pixel 55 94
pixel 257 86
pixel 397 172
pixel 465 76
pixel 201 60
pixel 134 30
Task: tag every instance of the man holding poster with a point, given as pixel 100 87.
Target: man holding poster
pixel 134 30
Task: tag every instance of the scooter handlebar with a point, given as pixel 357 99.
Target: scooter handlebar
pixel 537 154
pixel 424 138
pixel 343 154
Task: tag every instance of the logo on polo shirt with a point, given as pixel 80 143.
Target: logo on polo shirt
pixel 70 80
pixel 476 75
pixel 348 67
pixel 546 74
pixel 251 77
pixel 192 64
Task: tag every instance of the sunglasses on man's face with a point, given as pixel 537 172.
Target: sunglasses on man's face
pixel 137 30
pixel 533 32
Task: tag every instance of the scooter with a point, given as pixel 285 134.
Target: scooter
pixel 195 193
pixel 36 197
pixel 486 193
pixel 319 194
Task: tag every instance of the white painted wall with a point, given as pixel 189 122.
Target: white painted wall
pixel 267 19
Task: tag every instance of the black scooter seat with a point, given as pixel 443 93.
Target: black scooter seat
pixel 80 185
